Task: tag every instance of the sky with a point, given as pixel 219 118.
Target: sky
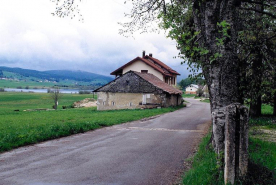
pixel 32 38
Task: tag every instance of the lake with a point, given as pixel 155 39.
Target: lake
pixel 67 91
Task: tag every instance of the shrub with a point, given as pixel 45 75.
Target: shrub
pixel 84 92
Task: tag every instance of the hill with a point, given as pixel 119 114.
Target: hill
pixel 64 78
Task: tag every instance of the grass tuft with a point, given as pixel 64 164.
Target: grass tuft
pixel 204 170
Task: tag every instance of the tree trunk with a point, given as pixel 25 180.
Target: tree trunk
pixel 257 71
pixel 222 74
pixel 256 107
pixel 56 104
pixel 274 95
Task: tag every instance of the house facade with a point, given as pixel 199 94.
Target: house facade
pixel 191 89
pixel 133 90
pixel 148 64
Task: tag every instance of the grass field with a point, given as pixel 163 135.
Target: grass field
pixel 262 156
pixel 19 128
pixel 188 95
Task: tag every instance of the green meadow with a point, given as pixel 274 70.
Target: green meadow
pixel 19 128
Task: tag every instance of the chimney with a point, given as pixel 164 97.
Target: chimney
pixel 144 53
pixel 150 54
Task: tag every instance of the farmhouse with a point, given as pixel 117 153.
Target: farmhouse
pixel 191 89
pixel 148 64
pixel 134 90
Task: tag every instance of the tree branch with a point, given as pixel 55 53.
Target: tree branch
pixel 255 2
pixel 262 12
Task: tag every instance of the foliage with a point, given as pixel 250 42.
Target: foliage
pixel 84 92
pixel 67 8
pixel 257 45
pixel 199 92
pixel 188 81
pixel 267 109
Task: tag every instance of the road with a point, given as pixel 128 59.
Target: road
pixel 149 151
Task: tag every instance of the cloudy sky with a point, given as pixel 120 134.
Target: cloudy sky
pixel 32 38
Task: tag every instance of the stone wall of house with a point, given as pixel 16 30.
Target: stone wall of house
pixel 111 101
pixel 131 83
pixel 173 100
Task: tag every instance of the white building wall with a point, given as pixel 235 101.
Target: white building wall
pixel 191 90
pixel 139 65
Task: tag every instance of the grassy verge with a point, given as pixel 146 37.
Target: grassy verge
pixel 262 157
pixel 204 168
pixel 267 109
pixel 10 101
pixel 188 95
pixel 205 100
pixel 19 128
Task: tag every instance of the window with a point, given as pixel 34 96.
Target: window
pixel 113 103
pixel 145 97
pixel 130 104
pixel 144 71
pixel 103 102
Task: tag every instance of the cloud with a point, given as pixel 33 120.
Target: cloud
pixel 30 37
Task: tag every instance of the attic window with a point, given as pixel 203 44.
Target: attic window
pixel 144 71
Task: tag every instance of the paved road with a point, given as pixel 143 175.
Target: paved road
pixel 140 152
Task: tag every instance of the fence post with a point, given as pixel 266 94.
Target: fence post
pixel 236 142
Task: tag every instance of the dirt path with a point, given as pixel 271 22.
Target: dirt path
pixel 141 152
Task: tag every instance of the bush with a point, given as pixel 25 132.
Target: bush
pixel 84 92
pixel 49 91
pixel 2 90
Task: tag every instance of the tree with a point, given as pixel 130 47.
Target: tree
pixel 67 8
pixel 255 37
pixel 188 81
pixel 184 83
pixel 56 96
pixel 199 92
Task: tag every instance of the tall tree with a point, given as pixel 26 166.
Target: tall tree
pixel 254 41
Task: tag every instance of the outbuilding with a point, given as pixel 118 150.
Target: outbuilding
pixel 191 89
